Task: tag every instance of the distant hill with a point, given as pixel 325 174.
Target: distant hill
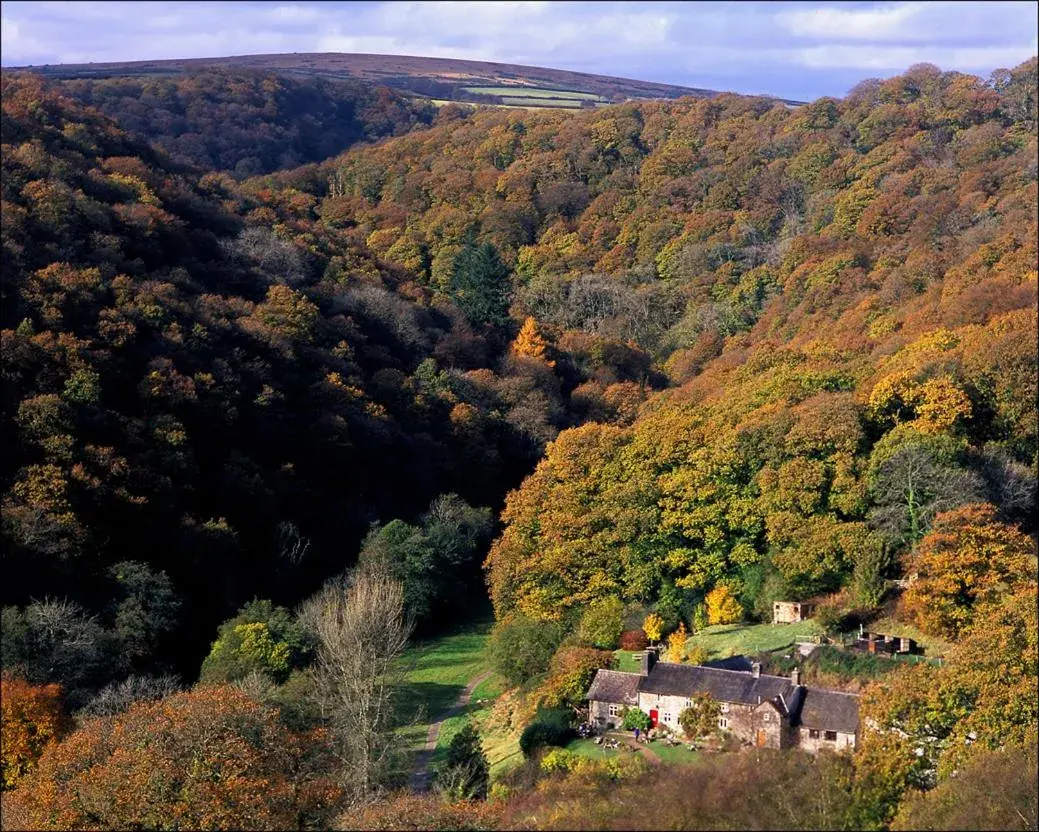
pixel 440 79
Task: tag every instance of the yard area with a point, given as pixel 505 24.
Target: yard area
pixel 724 640
pixel 673 755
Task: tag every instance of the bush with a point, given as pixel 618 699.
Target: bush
pixel 633 640
pixel 635 718
pixel 550 727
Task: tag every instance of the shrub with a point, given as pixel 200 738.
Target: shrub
pixel 464 775
pixel 551 726
pixel 635 718
pixel 633 640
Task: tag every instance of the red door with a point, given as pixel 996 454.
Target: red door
pixel 653 717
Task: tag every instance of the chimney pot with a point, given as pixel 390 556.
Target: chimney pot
pixel 795 677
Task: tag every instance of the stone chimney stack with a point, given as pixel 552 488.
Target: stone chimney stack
pixel 755 669
pixel 649 658
pixel 795 677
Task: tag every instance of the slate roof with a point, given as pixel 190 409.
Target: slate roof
pixel 615 686
pixel 830 710
pixel 670 679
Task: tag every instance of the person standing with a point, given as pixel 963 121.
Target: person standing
pixel 637 732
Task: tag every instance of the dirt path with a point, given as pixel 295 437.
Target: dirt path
pixel 420 773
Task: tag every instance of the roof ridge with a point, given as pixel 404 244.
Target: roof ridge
pixel 728 670
pixel 831 690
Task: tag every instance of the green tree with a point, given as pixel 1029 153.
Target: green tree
pixel 465 774
pixel 262 639
pixel 521 647
pixel 480 284
pixel 700 718
pixel 602 623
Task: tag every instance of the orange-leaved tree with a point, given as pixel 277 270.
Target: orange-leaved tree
pixel 31 717
pixel 969 557
pixel 210 758
pixel 676 644
pixel 531 343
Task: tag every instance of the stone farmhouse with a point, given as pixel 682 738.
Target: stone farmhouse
pixel 761 710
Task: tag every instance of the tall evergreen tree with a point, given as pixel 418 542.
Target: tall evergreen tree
pixel 480 284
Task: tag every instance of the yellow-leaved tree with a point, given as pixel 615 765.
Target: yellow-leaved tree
pixel 653 627
pixel 722 606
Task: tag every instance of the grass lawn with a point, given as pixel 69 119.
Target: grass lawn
pixel 724 640
pixel 627 660
pixel 587 748
pixel 673 755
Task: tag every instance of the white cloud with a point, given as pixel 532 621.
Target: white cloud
pixel 890 23
pixel 898 58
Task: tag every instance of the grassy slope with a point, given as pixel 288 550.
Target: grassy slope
pixel 724 640
pixel 438 671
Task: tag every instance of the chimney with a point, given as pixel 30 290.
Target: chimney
pixel 795 677
pixel 755 669
pixel 648 659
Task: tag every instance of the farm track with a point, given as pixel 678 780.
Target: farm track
pixel 420 773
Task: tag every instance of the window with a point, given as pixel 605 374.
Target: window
pixel 813 734
pixel 725 707
pixel 688 703
pixel 667 717
pixel 615 710
pixel 830 735
pixel 723 723
pixel 766 717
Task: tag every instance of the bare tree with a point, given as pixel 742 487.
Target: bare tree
pixel 362 631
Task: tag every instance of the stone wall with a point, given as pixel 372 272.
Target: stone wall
pixel 814 744
pixel 599 714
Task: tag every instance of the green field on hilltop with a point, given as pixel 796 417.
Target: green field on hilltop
pixel 534 92
pixel 558 103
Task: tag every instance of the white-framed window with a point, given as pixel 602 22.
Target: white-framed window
pixel 725 707
pixel 813 733
pixel 615 710
pixel 830 735
pixel 723 723
pixel 667 717
pixel 688 703
pixel 766 717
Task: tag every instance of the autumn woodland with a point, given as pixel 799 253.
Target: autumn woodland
pixel 300 374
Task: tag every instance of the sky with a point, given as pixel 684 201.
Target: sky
pixel 799 50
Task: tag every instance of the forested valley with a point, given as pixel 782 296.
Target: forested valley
pixel 298 373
